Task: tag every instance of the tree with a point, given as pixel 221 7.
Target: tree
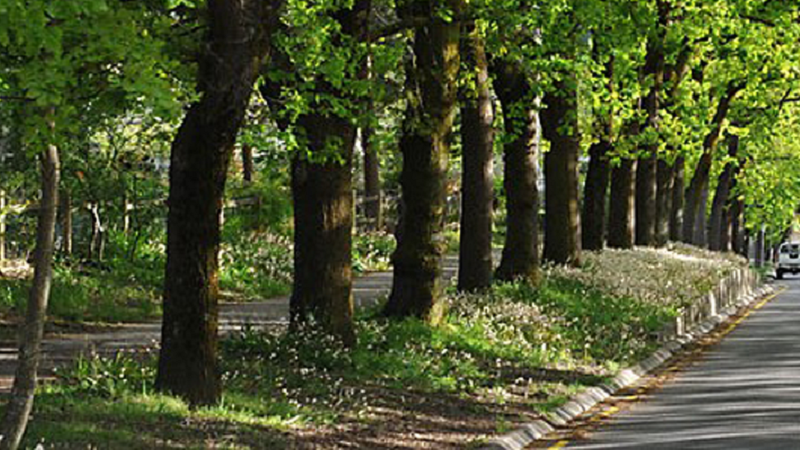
pixel 699 183
pixel 520 258
pixel 646 169
pixel 562 243
pixel 598 176
pixel 431 106
pixel 22 392
pixel 621 217
pixel 477 186
pixel 719 222
pixel 201 153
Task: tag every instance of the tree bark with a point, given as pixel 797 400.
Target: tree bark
pixel 622 217
pixel 562 241
pixel 647 168
pixel 760 247
pixel 97 241
pixel 247 163
pixel 520 259
pixel 664 199
pixel 323 220
pixel 372 182
pixel 594 196
pixel 676 206
pixel 201 153
pixel 699 184
pixel 700 236
pixel 718 231
pixel 21 399
pixel 595 191
pixel 477 185
pixel 431 86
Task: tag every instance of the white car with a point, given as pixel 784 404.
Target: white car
pixel 788 259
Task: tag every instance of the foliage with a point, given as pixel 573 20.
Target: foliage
pixel 673 278
pixel 124 373
pixel 257 264
pixel 372 252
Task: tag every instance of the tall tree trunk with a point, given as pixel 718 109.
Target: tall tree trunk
pixel 22 393
pixel 664 199
pixel 760 234
pixel 700 236
pixel 372 181
pixel 247 163
pixel 562 241
pixel 594 196
pixel 718 223
pixel 699 184
pixel 97 242
pixel 520 257
pixel 477 185
pixel 431 85
pixel 676 207
pixel 322 293
pixel 647 168
pixel 595 191
pixel 622 217
pixel 323 220
pixel 201 154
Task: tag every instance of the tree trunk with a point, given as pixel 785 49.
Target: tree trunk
pixel 372 182
pixel 97 242
pixel 247 163
pixel 676 206
pixel 477 182
pixel 718 233
pixel 431 82
pixel 520 257
pixel 760 247
pixel 323 220
pixel 595 190
pixel 699 184
pixel 700 237
pixel 647 168
pixel 738 232
pixel 622 218
pixel 22 393
pixel 562 241
pixel 200 157
pixel 663 202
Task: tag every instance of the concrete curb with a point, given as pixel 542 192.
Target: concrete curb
pixel 679 338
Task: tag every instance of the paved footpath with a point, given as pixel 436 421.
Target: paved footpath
pixel 743 393
pixel 65 347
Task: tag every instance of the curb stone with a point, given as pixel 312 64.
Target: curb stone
pixel 586 400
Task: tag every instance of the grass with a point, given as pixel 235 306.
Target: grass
pixel 83 293
pixel 498 357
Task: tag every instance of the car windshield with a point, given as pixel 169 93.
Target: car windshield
pixel 786 248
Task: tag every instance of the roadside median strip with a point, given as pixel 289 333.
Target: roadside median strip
pixel 748 300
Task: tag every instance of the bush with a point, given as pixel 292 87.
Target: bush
pixel 111 376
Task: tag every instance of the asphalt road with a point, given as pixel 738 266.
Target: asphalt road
pixel 743 393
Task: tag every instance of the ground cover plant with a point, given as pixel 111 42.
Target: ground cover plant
pixel 499 357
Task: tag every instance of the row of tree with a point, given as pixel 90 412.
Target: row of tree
pixel 648 89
